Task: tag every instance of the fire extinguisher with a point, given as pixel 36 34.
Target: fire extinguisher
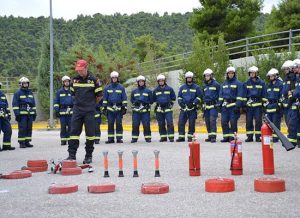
pixel 267 149
pixel 236 165
pixel 194 158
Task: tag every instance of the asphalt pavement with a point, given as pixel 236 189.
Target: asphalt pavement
pixel 187 196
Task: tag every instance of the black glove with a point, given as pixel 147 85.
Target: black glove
pixel 191 105
pixel 18 118
pixel 236 109
pixel 57 114
pixel 124 110
pixel 34 117
pixel 182 105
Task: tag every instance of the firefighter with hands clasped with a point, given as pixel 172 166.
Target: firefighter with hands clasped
pixel 141 100
pixel 254 89
pixel 63 105
pixel 115 106
pixel 25 112
pixel 210 98
pixel 290 109
pixel 189 98
pixel 272 106
pixel 164 97
pixel 5 126
pixel 231 100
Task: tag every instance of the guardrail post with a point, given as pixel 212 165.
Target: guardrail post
pixel 290 40
pixel 247 47
pixel 6 83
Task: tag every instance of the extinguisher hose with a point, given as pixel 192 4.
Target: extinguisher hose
pixel 234 148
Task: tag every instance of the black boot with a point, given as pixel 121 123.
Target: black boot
pixel 87 159
pixel 22 145
pixel 71 156
pixel 171 139
pixel 180 140
pixel 120 141
pixel 133 141
pixel 230 138
pixel 190 139
pixel 8 148
pixel 225 139
pixel 208 139
pixel 258 139
pixel 97 141
pixel 63 143
pixel 28 145
pixel 275 140
pixel 213 140
pixel 163 140
pixel 110 141
pixel 148 140
pixel 249 139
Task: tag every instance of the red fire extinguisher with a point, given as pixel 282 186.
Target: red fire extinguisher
pixel 194 159
pixel 267 150
pixel 236 165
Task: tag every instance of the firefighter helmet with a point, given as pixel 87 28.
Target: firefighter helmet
pixel 65 78
pixel 189 74
pixel 114 74
pixel 140 78
pixel 273 72
pixel 230 69
pixel 208 72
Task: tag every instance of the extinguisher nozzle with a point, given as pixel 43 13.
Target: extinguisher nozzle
pixel 106 174
pixel 135 173
pixel 121 174
pixel 157 174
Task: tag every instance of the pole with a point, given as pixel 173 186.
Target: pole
pixel 290 40
pixel 51 125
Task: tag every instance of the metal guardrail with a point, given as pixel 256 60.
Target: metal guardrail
pixel 278 41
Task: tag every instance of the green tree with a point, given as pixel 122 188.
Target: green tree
pixel 124 60
pixel 270 59
pixel 208 54
pixel 146 43
pixel 232 18
pixel 43 78
pixel 284 17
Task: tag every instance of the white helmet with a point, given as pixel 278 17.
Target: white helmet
pixel 230 69
pixel 160 77
pixel 273 72
pixel 65 78
pixel 296 63
pixel 287 65
pixel 24 80
pixel 208 72
pixel 140 78
pixel 253 69
pixel 189 74
pixel 114 74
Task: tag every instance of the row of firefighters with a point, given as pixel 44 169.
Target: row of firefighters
pixel 276 98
